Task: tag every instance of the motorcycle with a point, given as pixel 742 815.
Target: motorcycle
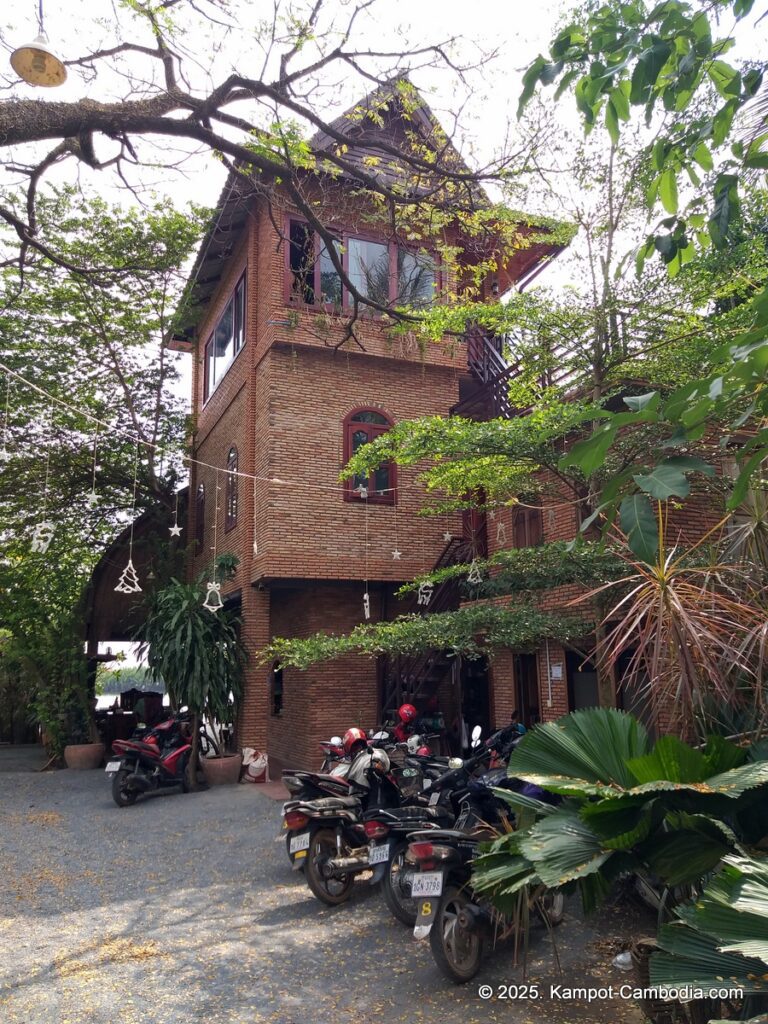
pixel 331 828
pixel 458 920
pixel 158 761
pixel 306 785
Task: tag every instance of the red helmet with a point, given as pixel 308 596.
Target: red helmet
pixel 407 713
pixel 353 737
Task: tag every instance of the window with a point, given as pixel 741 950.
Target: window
pixel 227 339
pixel 200 517
pixel 384 272
pixel 528 528
pixel 232 496
pixel 360 428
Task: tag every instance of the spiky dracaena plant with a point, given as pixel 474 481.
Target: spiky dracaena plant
pixel 690 626
pixel 197 653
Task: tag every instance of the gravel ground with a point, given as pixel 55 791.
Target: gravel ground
pixel 184 909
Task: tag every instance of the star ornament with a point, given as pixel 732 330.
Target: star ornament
pixel 92 499
pixel 175 530
pixel 396 555
pixel 447 536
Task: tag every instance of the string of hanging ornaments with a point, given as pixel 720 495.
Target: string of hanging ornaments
pixel 129 583
pixel 35 62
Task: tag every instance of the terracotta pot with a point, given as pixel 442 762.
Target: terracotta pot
pixel 222 771
pixel 84 755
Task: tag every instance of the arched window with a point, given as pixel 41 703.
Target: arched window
pixel 200 517
pixel 361 427
pixel 230 513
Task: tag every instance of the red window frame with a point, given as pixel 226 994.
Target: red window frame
pixel 232 493
pixel 239 322
pixel 344 238
pixel 352 426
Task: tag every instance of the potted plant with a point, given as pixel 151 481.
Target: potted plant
pixel 197 652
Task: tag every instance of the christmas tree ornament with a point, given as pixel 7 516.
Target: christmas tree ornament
pixel 475 576
pixel 129 580
pixel 42 535
pixel 396 555
pixel 362 491
pixel 501 533
pixel 367 605
pixel 424 593
pixel 447 537
pixel 213 602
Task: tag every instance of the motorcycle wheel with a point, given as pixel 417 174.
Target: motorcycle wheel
pixel 397 893
pixel 458 951
pixel 121 794
pixel 551 908
pixel 331 891
pixel 303 861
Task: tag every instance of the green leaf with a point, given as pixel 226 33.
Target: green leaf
pixel 562 848
pixel 664 482
pixel 668 190
pixel 744 480
pixel 681 857
pixel 726 79
pixel 690 463
pixel 589 454
pixel 703 157
pixel 612 121
pixel 670 759
pixel 620 823
pixel 530 79
pixel 591 746
pixel 639 524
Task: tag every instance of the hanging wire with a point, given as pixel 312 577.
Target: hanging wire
pixel 41 30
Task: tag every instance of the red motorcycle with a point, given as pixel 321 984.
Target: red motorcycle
pixel 158 760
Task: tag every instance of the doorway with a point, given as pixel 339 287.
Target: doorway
pixel 526 668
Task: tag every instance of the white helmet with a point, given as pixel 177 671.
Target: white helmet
pixel 380 760
pixel 413 743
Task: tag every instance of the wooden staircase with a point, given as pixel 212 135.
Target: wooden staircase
pixel 414 678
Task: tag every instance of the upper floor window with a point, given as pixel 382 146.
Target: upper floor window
pixel 227 339
pixel 383 272
pixel 232 493
pixel 200 517
pixel 379 485
pixel 528 527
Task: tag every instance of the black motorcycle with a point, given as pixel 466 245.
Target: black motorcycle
pixel 458 920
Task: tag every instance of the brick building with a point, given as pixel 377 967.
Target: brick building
pixel 278 409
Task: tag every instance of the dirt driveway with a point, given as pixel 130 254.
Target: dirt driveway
pixel 184 909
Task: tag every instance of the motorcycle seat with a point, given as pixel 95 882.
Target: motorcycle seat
pixel 333 803
pixel 137 745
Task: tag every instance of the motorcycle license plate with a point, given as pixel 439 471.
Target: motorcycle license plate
pixel 427 883
pixel 378 854
pixel 112 766
pixel 300 844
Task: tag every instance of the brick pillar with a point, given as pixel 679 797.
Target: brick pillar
pixel 252 721
pixel 552 689
pixel 503 688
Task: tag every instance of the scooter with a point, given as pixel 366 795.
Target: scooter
pixel 159 761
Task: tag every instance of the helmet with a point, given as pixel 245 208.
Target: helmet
pixel 413 743
pixel 380 761
pixel 407 713
pixel 352 737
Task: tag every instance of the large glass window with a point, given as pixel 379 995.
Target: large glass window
pixel 378 485
pixel 227 339
pixel 369 269
pixel 415 278
pixel 383 272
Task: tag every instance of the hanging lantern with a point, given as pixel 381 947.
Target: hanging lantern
pixel 37 64
pixel 213 602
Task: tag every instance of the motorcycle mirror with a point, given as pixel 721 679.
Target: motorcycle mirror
pixel 477 732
